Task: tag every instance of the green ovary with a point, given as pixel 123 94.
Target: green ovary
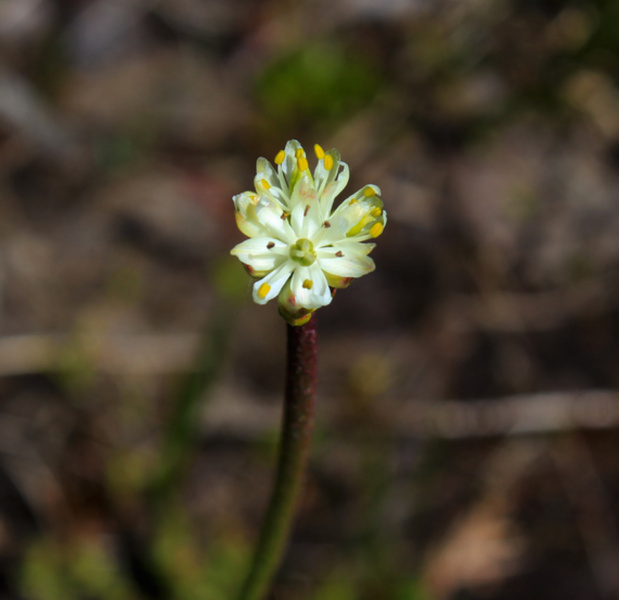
pixel 303 252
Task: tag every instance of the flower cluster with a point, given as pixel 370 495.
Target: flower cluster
pixel 299 247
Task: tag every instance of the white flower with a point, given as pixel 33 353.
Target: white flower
pixel 299 247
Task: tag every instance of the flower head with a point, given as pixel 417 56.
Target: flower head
pixel 299 247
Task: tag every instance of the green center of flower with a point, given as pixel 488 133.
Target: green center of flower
pixel 303 252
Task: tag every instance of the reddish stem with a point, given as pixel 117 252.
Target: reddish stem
pixel 297 424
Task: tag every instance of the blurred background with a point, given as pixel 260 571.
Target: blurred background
pixel 466 440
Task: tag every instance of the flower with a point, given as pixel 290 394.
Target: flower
pixel 299 248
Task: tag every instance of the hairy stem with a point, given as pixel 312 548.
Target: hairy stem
pixel 298 418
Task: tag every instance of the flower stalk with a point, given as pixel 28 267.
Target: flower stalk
pixel 297 424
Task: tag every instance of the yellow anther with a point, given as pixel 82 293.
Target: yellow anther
pixel 265 184
pixel 302 163
pixel 376 230
pixel 353 201
pixel 279 158
pixel 368 192
pixel 308 284
pixel 376 212
pixel 320 153
pixel 328 162
pixel 263 290
pixel 299 152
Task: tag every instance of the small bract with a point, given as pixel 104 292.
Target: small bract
pixel 299 247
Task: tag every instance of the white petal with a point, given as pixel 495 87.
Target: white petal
pixel 245 213
pixel 290 162
pixel 297 217
pixel 323 176
pixel 360 197
pixel 272 218
pixel 264 167
pixel 353 261
pixel 304 191
pixel 310 288
pixel 347 245
pixel 267 183
pixel 335 187
pixel 365 234
pixel 354 218
pixel 306 217
pixel 332 230
pixel 274 282
pixel 261 254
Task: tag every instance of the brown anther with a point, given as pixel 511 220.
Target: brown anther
pixel 271 245
pixel 307 207
pixel 339 253
pixel 327 224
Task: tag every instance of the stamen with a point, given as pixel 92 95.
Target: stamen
pixel 327 224
pixel 263 290
pixel 359 226
pixel 307 207
pixel 320 153
pixel 308 284
pixel 339 254
pixel 271 245
pixel 376 230
pixel 376 212
pixel 299 153
pixel 265 184
pixel 279 159
pixel 302 163
pixel 328 162
pixel 369 192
